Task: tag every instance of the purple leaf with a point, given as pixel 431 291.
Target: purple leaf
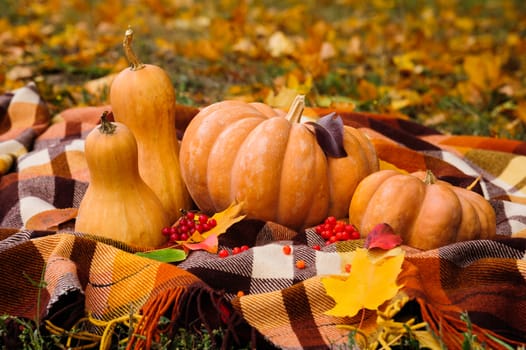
pixel 329 134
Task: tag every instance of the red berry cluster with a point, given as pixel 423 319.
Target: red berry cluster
pixel 333 230
pixel 187 224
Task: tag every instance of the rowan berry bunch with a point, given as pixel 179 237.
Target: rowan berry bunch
pixel 333 230
pixel 187 224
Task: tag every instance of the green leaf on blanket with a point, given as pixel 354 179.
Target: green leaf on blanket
pixel 166 255
pixel 370 283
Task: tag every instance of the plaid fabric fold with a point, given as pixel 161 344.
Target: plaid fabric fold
pixel 103 279
pixel 23 116
pixel 259 294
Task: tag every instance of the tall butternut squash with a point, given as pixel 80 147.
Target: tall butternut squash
pixel 143 98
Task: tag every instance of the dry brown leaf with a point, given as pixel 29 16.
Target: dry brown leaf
pixel 51 219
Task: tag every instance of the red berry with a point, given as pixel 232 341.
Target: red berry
pixel 346 236
pixel 223 253
pixel 184 236
pixel 300 264
pixel 203 218
pixel 244 248
pixel 339 227
pixel 326 234
pixel 316 247
pixel 287 249
pixel 190 216
pixel 174 237
pixel 332 239
pixel 355 235
pixel 347 267
pixel 349 228
pixel 212 223
pixel 236 250
pixel 339 236
pixel 330 220
pixel 200 228
pixel 166 231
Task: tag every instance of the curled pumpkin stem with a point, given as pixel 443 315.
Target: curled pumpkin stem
pixel 106 127
pixel 296 109
pixel 135 63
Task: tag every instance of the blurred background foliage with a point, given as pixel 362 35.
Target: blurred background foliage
pixel 456 65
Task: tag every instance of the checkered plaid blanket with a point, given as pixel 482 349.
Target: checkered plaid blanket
pixel 42 168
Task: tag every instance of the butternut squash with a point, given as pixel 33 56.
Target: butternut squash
pixel 143 98
pixel 118 204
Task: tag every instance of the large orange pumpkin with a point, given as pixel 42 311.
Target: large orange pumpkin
pixel 427 213
pixel 251 153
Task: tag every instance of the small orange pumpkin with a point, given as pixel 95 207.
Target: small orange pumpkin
pixel 426 212
pixel 251 153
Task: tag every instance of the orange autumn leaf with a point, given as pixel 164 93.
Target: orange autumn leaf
pixel 521 111
pixel 367 90
pixel 371 282
pixel 50 219
pixel 209 244
pixel 483 71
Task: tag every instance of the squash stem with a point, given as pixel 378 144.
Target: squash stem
pixel 106 127
pixel 296 109
pixel 430 178
pixel 474 183
pixel 136 64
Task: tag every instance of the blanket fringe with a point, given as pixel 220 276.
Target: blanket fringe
pixel 451 329
pixel 148 327
pixel 190 308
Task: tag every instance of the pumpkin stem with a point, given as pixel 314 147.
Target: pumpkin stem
pixel 474 183
pixel 430 178
pixel 106 127
pixel 296 109
pixel 136 64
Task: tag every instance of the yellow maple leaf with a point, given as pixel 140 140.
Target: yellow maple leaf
pixel 225 219
pixel 371 282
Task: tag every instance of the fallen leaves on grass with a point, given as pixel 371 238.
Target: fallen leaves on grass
pixel 452 65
